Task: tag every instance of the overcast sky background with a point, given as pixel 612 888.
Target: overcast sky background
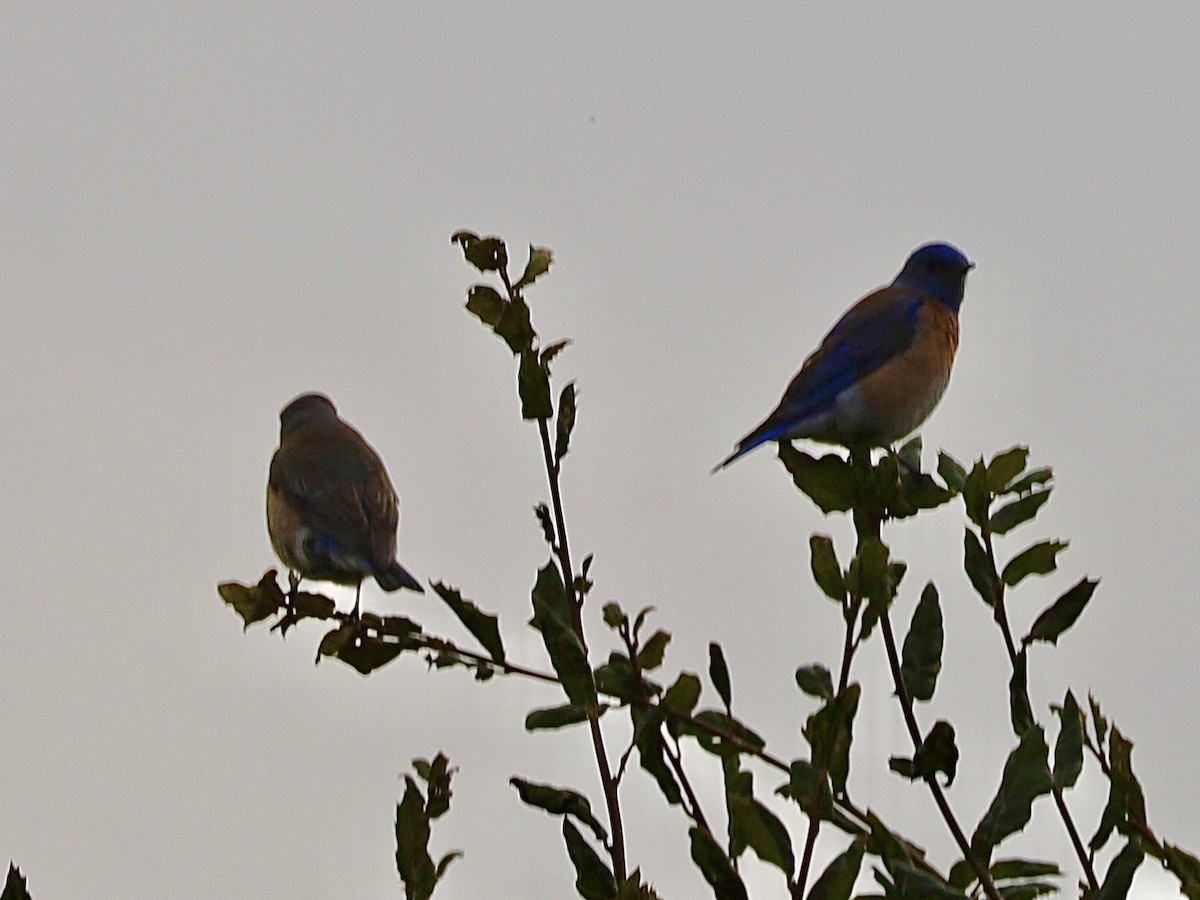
pixel 210 208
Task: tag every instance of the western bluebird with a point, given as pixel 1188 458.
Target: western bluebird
pixel 332 512
pixel 883 367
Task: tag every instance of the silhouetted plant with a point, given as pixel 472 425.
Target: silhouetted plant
pixel 998 496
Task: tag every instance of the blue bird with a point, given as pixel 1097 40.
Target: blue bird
pixel 882 368
pixel 332 512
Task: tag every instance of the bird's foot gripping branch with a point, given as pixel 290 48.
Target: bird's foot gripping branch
pixel 742 804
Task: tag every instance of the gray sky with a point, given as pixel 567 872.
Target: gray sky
pixel 209 208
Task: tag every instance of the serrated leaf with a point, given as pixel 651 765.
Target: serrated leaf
pixel 1006 466
pixel 487 254
pixel 828 481
pixel 549 353
pixel 552 617
pixel 515 327
pixel 557 716
pixel 650 656
pixel 1026 777
pixel 1039 559
pixel 762 831
pixel 1185 867
pixel 484 628
pixel 533 384
pixel 937 753
pixel 15 887
pixel 413 863
pixel 918 884
pixel 566 421
pixel 1068 750
pixel 593 878
pixel 559 802
pixel 253 602
pixel 718 673
pixel 542 511
pixel 979 568
pixel 951 471
pixel 540 259
pixel 715 866
pixel 1119 878
pixel 922 655
pixel 1018 512
pixel 1126 802
pixel 816 681
pixel 1099 722
pixel 437 775
pixel 1062 613
pixel 486 304
pixel 369 654
pixel 826 570
pixel 837 881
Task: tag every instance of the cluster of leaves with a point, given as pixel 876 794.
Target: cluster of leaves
pixel 14 885
pixel 675 724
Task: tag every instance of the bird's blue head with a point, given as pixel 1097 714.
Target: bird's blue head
pixel 938 270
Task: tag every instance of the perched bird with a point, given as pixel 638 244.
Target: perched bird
pixel 332 512
pixel 883 367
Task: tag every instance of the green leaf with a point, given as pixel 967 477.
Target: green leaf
pixel 486 304
pixel 516 328
pixel 979 568
pixel 815 681
pixel 837 881
pixel 437 774
pixel 650 656
pixel 551 616
pixel 1099 723
pixel 1006 466
pixel 937 753
pixel 830 731
pixel 557 716
pixel 1119 878
pixel 413 863
pixel 15 887
pixel 540 259
pixel 1126 802
pixel 360 651
pixel 617 678
pixel 1068 750
pixel 918 884
pixel 533 384
pixel 559 802
pixel 809 787
pixel 1012 869
pixel 1183 866
pixel 1033 479
pixel 762 831
pixel 722 734
pixel 1026 777
pixel 975 494
pixel 1062 613
pixel 566 421
pixel 1019 711
pixel 951 471
pixel 909 454
pixel 613 615
pixel 681 697
pixel 922 654
pixel 648 738
pixel 718 673
pixel 826 570
pixel 253 602
pixel 542 511
pixel 828 481
pixel 487 254
pixel 1039 559
pixel 549 353
pixel 483 627
pixel 593 878
pixel 715 866
pixel 1009 516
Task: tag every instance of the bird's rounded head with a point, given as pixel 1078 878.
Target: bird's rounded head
pixel 939 270
pixel 304 410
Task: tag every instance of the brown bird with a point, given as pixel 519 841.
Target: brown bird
pixel 332 512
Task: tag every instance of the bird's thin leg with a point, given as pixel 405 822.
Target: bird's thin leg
pixel 357 592
pixel 293 585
